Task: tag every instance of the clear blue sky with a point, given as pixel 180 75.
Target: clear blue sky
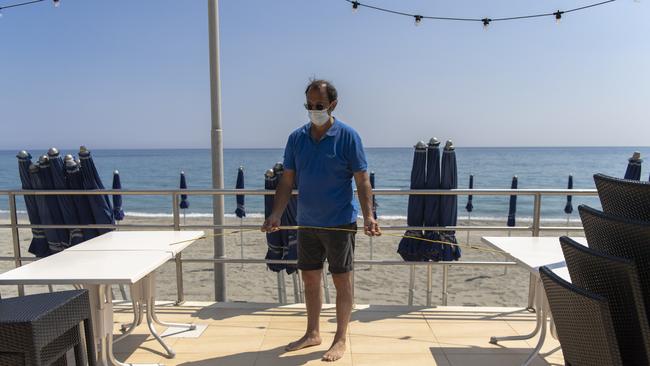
pixel 134 74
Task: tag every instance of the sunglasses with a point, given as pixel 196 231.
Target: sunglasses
pixel 315 107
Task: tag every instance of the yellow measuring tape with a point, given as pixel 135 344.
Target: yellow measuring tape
pixel 468 246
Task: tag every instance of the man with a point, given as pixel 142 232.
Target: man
pixel 322 157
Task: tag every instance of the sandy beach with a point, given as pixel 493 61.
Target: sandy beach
pixel 468 286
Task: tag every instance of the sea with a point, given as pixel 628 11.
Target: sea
pixel 493 167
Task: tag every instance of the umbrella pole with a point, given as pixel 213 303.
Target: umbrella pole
pixel 567 223
pixel 300 290
pixel 411 285
pixel 241 238
pixel 371 250
pixel 184 218
pixel 505 257
pixel 280 288
pixel 296 293
pixel 469 222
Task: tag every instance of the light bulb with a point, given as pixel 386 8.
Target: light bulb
pixel 558 16
pixel 418 20
pixel 57 3
pixel 0 12
pixel 486 23
pixel 355 6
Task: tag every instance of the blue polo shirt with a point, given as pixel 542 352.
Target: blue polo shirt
pixel 324 171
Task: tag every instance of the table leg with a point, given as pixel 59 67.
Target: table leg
pixel 150 292
pixel 128 328
pixel 541 308
pixel 538 320
pixel 169 351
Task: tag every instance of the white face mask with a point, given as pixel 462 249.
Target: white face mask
pixel 319 118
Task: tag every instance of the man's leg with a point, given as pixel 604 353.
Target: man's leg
pixel 314 302
pixel 343 284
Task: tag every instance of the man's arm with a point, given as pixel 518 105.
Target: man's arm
pixel 282 196
pixel 364 189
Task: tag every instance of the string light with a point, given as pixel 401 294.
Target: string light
pixel 57 3
pixel 486 21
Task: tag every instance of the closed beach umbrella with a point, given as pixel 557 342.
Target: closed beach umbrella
pixel 241 210
pixel 633 170
pixel 48 209
pixel 74 181
pixel 100 205
pixel 568 209
pixel 449 204
pixel 38 245
pixel 428 250
pixel 118 211
pixel 512 209
pixel 184 204
pixel 289 218
pixel 66 203
pixel 374 200
pixel 274 239
pixel 408 248
pixel 469 207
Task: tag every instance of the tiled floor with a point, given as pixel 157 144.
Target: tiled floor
pixel 255 334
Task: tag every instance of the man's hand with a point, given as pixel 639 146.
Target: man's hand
pixel 271 224
pixel 371 227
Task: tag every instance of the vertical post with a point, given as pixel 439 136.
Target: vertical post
pixel 326 287
pixel 180 292
pixel 429 284
pixel 241 238
pixel 445 283
pixel 15 237
pixel 537 212
pixel 217 150
pixel 296 293
pixel 411 285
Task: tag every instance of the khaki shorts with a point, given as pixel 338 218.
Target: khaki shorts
pixel 314 245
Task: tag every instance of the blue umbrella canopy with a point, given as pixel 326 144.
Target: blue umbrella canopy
pixel 470 206
pixel 99 204
pixel 48 208
pixel 633 170
pixel 449 204
pixel 428 250
pixel 408 248
pixel 374 200
pixel 274 240
pixel 74 181
pixel 241 209
pixel 184 204
pixel 289 218
pixel 38 245
pixel 512 209
pixel 66 203
pixel 568 209
pixel 118 211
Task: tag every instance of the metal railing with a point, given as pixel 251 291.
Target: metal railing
pixel 535 228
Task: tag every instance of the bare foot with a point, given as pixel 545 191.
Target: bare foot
pixel 335 352
pixel 304 342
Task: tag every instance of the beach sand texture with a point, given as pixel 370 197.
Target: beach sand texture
pixel 381 285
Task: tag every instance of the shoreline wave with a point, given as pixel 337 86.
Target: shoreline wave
pixel 258 215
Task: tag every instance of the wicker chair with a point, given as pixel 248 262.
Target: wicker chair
pixel 622 238
pixel 617 280
pixel 623 197
pixel 583 322
pixel 41 329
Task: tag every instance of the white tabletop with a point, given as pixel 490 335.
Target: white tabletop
pixel 534 252
pixel 169 241
pixel 87 268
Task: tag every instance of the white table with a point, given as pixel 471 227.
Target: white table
pixel 112 262
pixel 532 253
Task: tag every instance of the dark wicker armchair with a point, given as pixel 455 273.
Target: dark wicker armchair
pixel 40 329
pixel 623 197
pixel 583 322
pixel 620 237
pixel 617 280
